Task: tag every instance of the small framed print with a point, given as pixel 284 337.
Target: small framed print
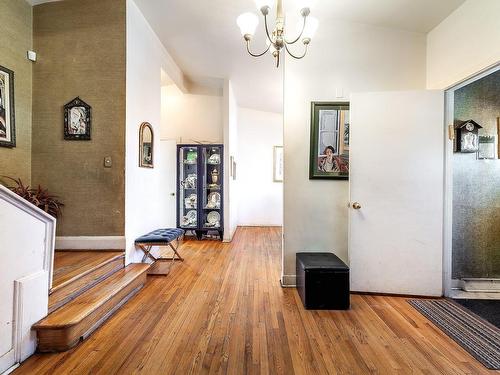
pixel 7 126
pixel 146 143
pixel 498 136
pixel 278 164
pixel 77 120
pixel 486 148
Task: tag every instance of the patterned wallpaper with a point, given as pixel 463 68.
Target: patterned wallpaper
pixel 81 49
pixel 476 187
pixel 15 40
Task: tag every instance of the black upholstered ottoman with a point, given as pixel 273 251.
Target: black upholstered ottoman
pixel 322 281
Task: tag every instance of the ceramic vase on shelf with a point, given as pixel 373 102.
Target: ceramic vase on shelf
pixel 215 176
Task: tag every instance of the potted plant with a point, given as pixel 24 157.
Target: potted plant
pixel 40 197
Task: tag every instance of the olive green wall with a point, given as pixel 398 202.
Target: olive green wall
pixel 81 52
pixel 15 40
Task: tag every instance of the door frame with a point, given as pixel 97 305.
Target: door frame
pixel 449 283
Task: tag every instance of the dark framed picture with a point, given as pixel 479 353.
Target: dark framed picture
pixel 146 143
pixel 77 120
pixel 329 150
pixel 7 117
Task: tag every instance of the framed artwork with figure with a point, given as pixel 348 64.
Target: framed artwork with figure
pixel 329 149
pixel 77 120
pixel 7 127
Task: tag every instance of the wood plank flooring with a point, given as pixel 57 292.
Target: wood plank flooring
pixel 70 264
pixel 222 311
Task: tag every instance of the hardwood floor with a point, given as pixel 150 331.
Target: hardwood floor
pixel 222 311
pixel 77 271
pixel 70 264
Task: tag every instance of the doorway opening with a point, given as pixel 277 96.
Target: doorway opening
pixel 472 189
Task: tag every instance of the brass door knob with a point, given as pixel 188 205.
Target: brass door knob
pixel 356 206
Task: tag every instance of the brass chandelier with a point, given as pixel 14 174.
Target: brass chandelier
pixel 276 40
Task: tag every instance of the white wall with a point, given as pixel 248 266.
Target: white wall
pixel 190 118
pixel 260 199
pixel 27 236
pixel 344 57
pixel 145 200
pixel 465 43
pixel 230 123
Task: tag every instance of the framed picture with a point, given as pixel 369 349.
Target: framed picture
pixel 278 164
pixel 146 143
pixel 232 167
pixel 487 147
pixel 7 125
pixel 498 137
pixel 77 120
pixel 329 149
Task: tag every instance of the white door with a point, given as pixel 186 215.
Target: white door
pixel 168 152
pixel 396 192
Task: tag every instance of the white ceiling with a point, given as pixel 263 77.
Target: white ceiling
pixel 204 40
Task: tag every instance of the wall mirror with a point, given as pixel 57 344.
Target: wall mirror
pixel 146 145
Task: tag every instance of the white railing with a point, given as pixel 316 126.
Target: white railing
pixel 27 239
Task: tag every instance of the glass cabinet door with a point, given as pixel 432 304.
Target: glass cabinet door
pixel 188 182
pixel 212 187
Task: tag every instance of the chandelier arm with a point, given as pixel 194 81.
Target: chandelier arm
pixel 301 32
pixel 294 56
pixel 256 54
pixel 267 29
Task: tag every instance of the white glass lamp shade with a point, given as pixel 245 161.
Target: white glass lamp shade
pixel 247 22
pixel 311 27
pixel 264 3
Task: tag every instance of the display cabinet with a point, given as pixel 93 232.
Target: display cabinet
pixel 200 189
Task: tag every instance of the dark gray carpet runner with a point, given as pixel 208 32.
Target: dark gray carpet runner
pixel 478 337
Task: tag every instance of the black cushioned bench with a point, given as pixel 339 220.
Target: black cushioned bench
pixel 322 281
pixel 160 237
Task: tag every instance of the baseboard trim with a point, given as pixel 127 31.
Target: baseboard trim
pixel 461 294
pixel 90 242
pixel 260 225
pixel 288 281
pixel 395 295
pixel 480 285
pixel 11 369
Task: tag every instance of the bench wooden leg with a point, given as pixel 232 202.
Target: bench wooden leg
pixel 157 268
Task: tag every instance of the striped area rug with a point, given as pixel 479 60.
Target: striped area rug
pixel 478 337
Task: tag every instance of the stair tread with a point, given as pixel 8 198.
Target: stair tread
pixel 82 306
pixel 73 289
pixel 72 265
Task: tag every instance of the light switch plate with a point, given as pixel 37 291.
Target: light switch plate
pixel 31 55
pixel 107 162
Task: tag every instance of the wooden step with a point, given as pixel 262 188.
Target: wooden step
pixel 78 271
pixel 76 320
